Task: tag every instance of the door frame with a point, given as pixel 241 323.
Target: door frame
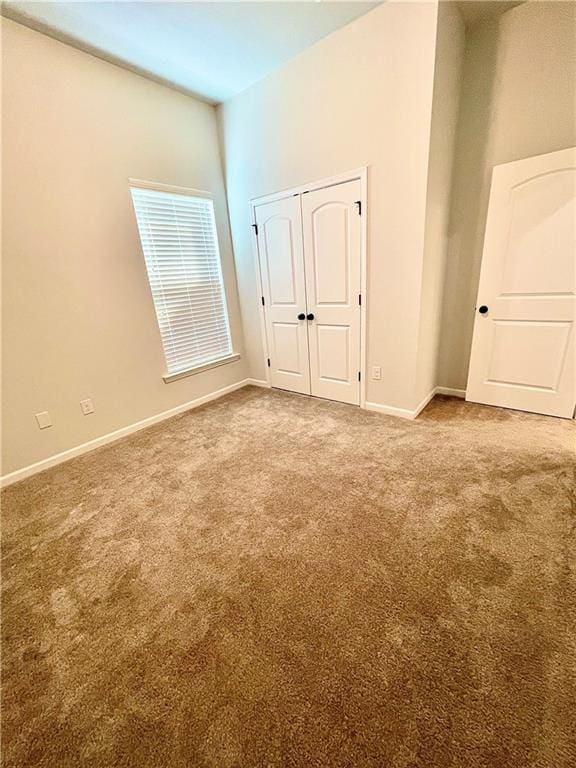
pixel 359 174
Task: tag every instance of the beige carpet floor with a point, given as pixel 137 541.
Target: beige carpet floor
pixel 273 580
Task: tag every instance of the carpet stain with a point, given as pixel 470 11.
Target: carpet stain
pixel 63 608
pixel 275 581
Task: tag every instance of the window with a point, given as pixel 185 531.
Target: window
pixel 180 245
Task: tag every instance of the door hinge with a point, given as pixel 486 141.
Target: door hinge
pixel 255 229
pixel 268 362
pixel 359 376
pixel 359 299
pixel 263 302
pixel 359 204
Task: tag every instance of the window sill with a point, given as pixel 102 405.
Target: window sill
pixel 200 368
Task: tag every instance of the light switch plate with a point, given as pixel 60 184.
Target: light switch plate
pixel 376 372
pixel 43 419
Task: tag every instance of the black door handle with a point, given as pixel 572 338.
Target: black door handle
pixel 483 309
pixel 301 316
pixel 310 316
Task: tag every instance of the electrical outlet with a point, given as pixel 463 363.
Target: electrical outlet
pixel 43 420
pixel 376 372
pixel 87 406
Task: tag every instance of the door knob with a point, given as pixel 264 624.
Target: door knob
pixel 310 316
pixel 301 316
pixel 483 309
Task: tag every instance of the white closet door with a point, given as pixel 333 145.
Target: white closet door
pixel 523 350
pixel 282 273
pixel 332 248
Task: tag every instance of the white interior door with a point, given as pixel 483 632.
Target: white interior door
pixel 282 274
pixel 332 252
pixel 523 350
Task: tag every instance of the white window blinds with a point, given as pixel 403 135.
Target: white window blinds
pixel 178 236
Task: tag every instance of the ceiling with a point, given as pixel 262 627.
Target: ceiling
pixel 210 49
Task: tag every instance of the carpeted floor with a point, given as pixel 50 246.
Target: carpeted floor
pixel 276 581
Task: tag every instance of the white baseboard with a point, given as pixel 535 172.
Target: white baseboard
pixel 403 413
pixel 406 413
pixel 390 410
pixel 420 407
pixel 451 392
pixel 58 458
pixel 258 383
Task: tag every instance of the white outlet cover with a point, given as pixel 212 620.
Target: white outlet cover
pixel 87 406
pixel 43 419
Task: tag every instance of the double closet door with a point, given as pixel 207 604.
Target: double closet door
pixel 309 247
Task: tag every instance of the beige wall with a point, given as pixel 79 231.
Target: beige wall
pixel 77 314
pixel 518 100
pixel 361 96
pixel 445 106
